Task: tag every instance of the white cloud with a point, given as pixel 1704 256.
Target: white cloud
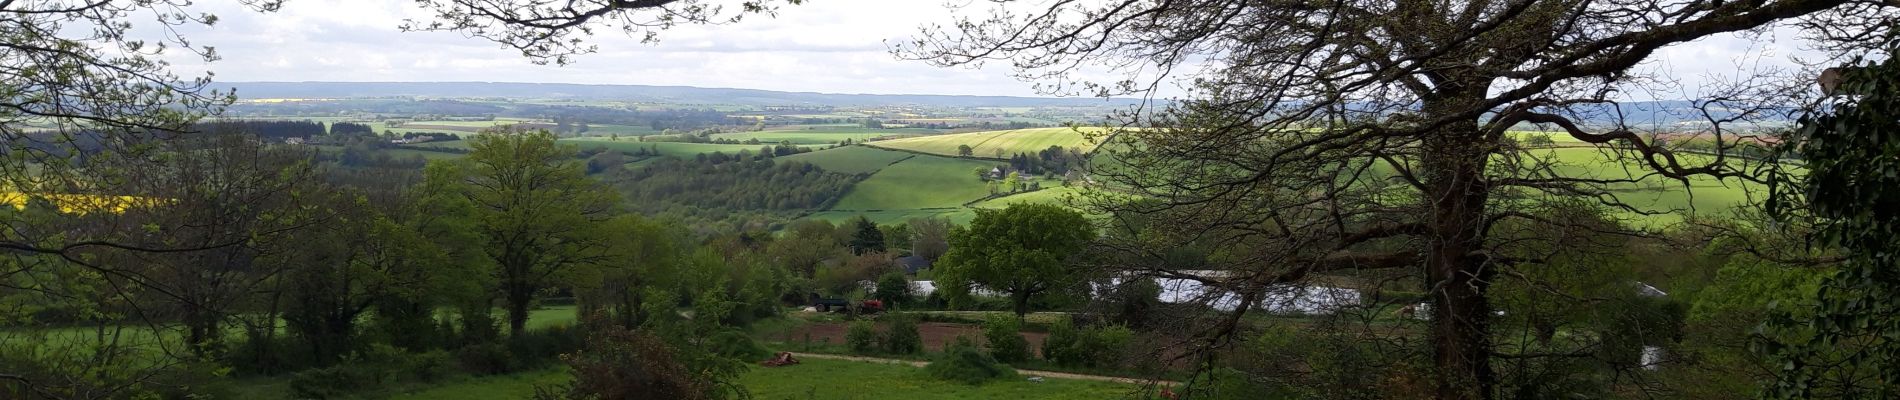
pixel 821 46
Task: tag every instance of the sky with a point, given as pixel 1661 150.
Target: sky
pixel 831 46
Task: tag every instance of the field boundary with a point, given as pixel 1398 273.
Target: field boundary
pixel 1029 372
pixel 926 153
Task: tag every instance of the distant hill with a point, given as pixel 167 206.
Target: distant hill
pixel 666 94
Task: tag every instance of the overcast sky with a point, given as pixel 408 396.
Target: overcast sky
pixel 835 46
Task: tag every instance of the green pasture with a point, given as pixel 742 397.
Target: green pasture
pixel 850 159
pixel 985 144
pixel 919 182
pixel 1052 193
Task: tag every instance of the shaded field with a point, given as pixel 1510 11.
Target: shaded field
pixel 850 159
pixel 919 182
pixel 985 144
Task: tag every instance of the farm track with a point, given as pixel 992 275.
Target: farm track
pixel 1045 374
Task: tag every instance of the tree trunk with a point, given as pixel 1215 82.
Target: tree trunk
pixel 1454 161
pixel 1020 299
pixel 519 295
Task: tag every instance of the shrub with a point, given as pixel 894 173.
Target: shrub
pixel 903 338
pixel 961 361
pixel 1060 346
pixel 1136 301
pixel 624 364
pixel 543 346
pixel 330 382
pixel 735 344
pixel 1103 346
pixel 1005 338
pixel 893 289
pixel 486 359
pixel 431 366
pixel 862 337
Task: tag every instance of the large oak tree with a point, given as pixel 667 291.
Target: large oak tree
pixel 1328 136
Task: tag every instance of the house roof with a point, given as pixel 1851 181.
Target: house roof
pixel 912 264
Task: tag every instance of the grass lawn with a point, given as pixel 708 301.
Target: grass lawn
pixel 850 159
pixel 838 379
pixel 919 182
pixel 985 144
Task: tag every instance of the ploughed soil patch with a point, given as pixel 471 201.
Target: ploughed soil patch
pixel 936 334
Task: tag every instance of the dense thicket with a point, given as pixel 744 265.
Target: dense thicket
pixel 721 182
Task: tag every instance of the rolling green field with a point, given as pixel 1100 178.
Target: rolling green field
pixel 850 159
pixel 1702 196
pixel 919 182
pixel 985 144
pixel 1050 194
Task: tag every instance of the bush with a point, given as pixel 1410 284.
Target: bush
pixel 1060 346
pixel 893 289
pixel 486 359
pixel 903 338
pixel 624 364
pixel 1136 301
pixel 735 344
pixel 431 366
pixel 543 346
pixel 961 361
pixel 330 382
pixel 1103 346
pixel 862 337
pixel 1005 338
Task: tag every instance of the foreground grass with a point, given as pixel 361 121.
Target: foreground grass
pixel 838 379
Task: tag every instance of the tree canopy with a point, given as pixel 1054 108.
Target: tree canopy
pixel 1025 250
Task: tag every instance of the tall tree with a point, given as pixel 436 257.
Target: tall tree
pixel 1025 250
pixel 929 237
pixel 866 237
pixel 1847 347
pixel 1346 135
pixel 537 210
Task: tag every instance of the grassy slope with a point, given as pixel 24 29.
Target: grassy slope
pixel 1051 194
pixel 920 182
pixel 850 160
pixel 984 144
